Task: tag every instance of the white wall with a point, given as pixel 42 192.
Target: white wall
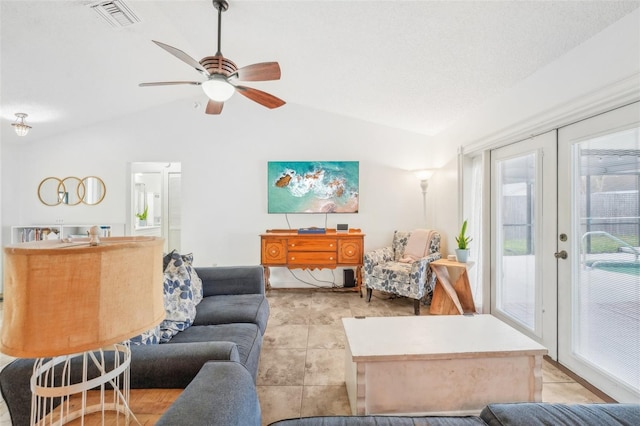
pixel 224 161
pixel 598 75
pixel 224 158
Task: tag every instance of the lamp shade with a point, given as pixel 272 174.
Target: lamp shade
pixel 423 174
pixel 63 298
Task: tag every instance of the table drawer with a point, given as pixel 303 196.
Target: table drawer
pixel 274 251
pixel 350 251
pixel 312 244
pixel 312 258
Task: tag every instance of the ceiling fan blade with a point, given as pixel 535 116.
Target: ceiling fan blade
pixel 260 97
pixel 170 83
pixel 263 71
pixel 182 56
pixel 214 107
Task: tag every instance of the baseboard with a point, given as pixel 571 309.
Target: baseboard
pixel 603 396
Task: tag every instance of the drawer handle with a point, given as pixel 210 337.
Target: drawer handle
pixel 293 258
pixel 293 245
pixel 331 245
pixel 331 258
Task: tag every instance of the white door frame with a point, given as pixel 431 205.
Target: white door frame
pixel 545 329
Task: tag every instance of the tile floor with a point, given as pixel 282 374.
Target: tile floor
pixel 302 361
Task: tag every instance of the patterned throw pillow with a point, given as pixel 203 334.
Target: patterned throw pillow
pixel 400 239
pixel 196 282
pixel 149 337
pixel 178 298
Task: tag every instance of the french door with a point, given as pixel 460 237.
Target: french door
pixel 565 246
pixel 523 233
pixel 599 225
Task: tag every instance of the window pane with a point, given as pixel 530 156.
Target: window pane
pixel 516 231
pixel 606 285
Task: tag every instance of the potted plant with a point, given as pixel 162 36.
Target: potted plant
pixel 462 252
pixel 142 217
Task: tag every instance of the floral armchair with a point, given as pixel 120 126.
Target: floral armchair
pixel 384 270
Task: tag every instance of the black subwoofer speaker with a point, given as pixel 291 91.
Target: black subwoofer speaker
pixel 349 278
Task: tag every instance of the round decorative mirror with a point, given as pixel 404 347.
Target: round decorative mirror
pixel 48 191
pixel 70 191
pixel 93 190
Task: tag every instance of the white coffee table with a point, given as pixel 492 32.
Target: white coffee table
pixel 453 364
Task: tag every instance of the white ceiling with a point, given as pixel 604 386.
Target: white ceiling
pixel 413 65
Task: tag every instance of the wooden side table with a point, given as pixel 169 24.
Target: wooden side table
pixel 448 298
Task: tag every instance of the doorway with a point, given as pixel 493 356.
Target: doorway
pixel 154 202
pixel 565 246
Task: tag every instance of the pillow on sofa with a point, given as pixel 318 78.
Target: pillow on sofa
pixel 178 298
pixel 196 282
pixel 149 337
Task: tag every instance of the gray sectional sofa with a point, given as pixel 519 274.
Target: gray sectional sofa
pixel 520 414
pixel 229 325
pixel 215 361
pixel 223 394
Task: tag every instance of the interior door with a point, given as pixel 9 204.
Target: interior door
pixel 523 235
pixel 599 293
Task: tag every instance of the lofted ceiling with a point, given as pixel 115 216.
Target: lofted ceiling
pixel 412 65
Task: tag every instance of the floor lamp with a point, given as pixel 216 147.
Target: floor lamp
pixel 73 306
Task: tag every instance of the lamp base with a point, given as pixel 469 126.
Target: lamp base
pixel 55 380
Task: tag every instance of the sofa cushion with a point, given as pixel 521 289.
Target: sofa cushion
pixel 393 271
pixel 175 365
pixel 390 420
pixel 222 394
pixel 246 336
pixel 178 298
pixel 539 414
pixel 237 308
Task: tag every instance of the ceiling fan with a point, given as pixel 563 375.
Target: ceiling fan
pixel 223 75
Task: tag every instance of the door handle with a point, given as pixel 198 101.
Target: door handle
pixel 561 254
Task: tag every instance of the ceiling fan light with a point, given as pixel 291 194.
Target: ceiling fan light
pixel 20 126
pixel 218 89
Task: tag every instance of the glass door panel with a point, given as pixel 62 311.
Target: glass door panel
pixel 600 333
pixel 516 285
pixel 523 223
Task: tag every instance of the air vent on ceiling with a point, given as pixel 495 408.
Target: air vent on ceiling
pixel 116 13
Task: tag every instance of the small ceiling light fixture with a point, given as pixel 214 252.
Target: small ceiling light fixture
pixel 20 126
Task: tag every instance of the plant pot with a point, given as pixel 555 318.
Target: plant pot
pixel 462 255
pixel 142 222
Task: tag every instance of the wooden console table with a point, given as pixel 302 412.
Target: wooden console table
pixel 287 248
pixel 451 298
